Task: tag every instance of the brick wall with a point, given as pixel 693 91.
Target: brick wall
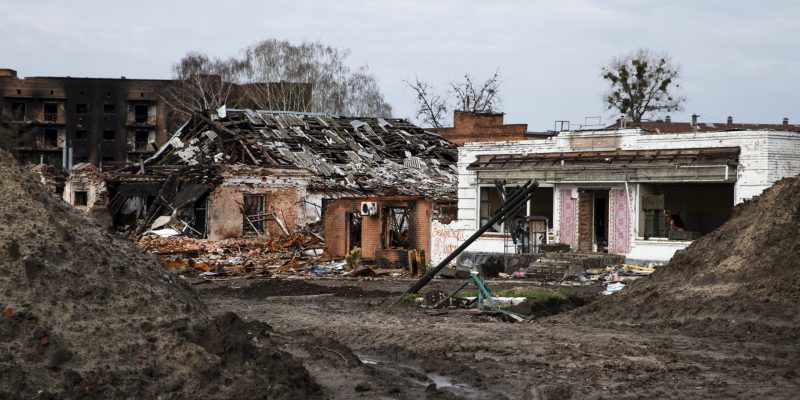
pixel 372 236
pixel 481 127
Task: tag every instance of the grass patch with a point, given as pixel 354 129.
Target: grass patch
pixel 411 296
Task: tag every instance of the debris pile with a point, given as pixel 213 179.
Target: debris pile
pixel 83 313
pixel 246 256
pixel 742 280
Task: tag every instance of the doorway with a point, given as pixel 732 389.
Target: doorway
pixel 353 220
pixel 593 210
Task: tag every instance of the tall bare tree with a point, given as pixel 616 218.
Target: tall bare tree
pixel 336 89
pixel 641 83
pixel 467 95
pixel 431 107
pixel 202 83
pixel 477 96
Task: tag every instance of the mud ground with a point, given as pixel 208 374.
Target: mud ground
pixel 355 346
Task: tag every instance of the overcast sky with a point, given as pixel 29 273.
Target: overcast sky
pixel 739 58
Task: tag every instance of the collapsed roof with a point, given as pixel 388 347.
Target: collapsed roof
pixel 367 155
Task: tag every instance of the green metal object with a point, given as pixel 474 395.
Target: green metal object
pixel 485 296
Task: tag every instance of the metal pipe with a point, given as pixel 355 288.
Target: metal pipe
pixel 513 202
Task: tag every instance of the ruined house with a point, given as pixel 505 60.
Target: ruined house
pixel 259 173
pixel 643 192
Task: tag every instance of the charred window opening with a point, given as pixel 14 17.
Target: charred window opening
pixel 109 109
pixel 50 112
pixel 18 111
pixel 397 227
pixel 200 216
pixel 109 134
pixel 140 113
pixel 81 198
pixel 50 138
pixel 81 108
pixel 140 139
pixel 81 134
pixel 109 158
pixel 253 214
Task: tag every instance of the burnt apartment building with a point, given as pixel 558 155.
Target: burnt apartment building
pixel 64 121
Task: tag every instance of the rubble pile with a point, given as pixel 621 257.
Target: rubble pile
pixel 83 313
pixel 288 253
pixel 741 280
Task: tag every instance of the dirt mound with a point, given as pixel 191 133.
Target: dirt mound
pixel 742 280
pixel 86 314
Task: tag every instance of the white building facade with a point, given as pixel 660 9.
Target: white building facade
pixel 625 191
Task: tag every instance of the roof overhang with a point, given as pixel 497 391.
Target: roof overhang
pixel 667 165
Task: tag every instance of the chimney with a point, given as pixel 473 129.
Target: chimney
pixel 667 119
pixel 730 120
pixel 694 122
pixel 785 121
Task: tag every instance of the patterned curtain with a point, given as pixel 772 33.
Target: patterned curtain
pixel 619 229
pixel 568 218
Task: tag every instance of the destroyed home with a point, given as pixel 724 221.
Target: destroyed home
pixel 643 192
pixel 239 173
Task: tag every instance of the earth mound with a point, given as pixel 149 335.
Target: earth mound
pixel 86 314
pixel 742 280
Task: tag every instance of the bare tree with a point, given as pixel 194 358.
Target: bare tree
pixel 431 107
pixel 642 82
pixel 202 83
pixel 335 88
pixel 477 97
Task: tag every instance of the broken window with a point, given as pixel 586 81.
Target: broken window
pixel 81 134
pixel 109 109
pixel 397 227
pixel 489 203
pixel 253 214
pixel 81 198
pixel 200 217
pixel 81 108
pixel 140 113
pixel 140 139
pixel 50 138
pixel 109 134
pixel 684 211
pixel 50 112
pixel 18 111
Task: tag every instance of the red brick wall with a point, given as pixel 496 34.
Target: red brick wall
pixel 481 127
pixel 225 216
pixel 334 225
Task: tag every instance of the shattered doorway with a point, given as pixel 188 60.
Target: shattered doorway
pixel 353 231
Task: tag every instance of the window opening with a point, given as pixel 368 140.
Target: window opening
pixel 50 138
pixel 18 111
pixel 397 232
pixel 50 112
pixel 81 198
pixel 253 214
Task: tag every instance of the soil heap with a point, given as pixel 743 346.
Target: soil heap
pixel 86 314
pixel 742 280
